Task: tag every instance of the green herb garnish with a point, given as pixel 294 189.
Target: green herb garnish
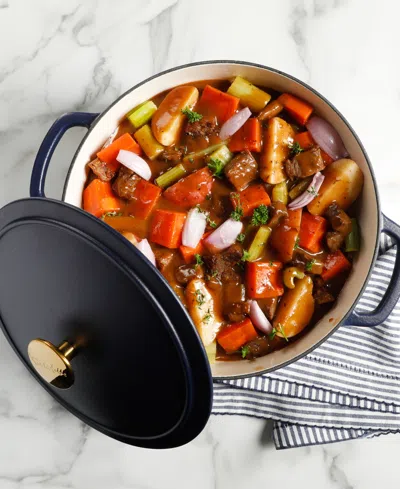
pixel 272 334
pixel 245 351
pixel 245 256
pixel 111 214
pixel 208 197
pixel 313 191
pixel 217 167
pixel 207 317
pixel 211 223
pixel 199 260
pixel 295 149
pixel 241 238
pixel 260 215
pixel 309 265
pixel 282 331
pixel 191 115
pixel 271 263
pixel 296 243
pixel 200 297
pixel 191 160
pixel 237 213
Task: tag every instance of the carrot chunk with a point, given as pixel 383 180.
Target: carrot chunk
pixel 264 279
pixel 304 139
pixel 312 231
pixel 293 219
pixel 335 264
pixel 188 253
pixel 217 103
pixel 166 228
pixel 251 198
pixel 297 108
pixel 98 198
pixel 247 137
pixel 236 335
pixel 191 190
pixel 110 153
pixel 145 197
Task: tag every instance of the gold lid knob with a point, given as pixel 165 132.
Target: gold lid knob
pixel 52 363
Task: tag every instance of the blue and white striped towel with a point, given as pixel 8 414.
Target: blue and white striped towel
pixel 347 388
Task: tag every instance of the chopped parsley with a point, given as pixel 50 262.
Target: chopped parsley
pixel 272 334
pixel 312 190
pixel 199 260
pixel 309 265
pixel 200 298
pixel 245 256
pixel 208 197
pixel 295 149
pixel 211 223
pixel 217 167
pixel 207 317
pixel 296 243
pixel 282 331
pixel 214 274
pixel 237 213
pixel 245 351
pixel 260 215
pixel 191 160
pixel 271 263
pixel 191 115
pixel 241 238
pixel 111 214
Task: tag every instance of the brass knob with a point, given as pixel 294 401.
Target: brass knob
pixel 52 363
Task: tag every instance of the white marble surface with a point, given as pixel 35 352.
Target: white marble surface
pixel 58 56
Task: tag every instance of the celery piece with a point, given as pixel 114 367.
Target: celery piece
pixel 142 114
pixel 353 239
pixel 203 152
pixel 258 244
pixel 299 188
pixel 222 154
pixel 250 95
pixel 211 351
pixel 148 143
pixel 171 176
pixel 280 193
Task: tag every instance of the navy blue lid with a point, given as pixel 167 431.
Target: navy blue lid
pixel 142 376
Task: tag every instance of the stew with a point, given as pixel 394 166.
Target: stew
pixel 242 197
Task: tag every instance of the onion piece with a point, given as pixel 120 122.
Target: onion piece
pixel 145 248
pixel 327 137
pixel 224 236
pixel 134 163
pixel 309 194
pixel 194 228
pixel 110 138
pixel 259 319
pixel 234 123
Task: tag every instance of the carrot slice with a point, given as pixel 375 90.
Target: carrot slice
pixel 98 198
pixel 304 139
pixel 191 190
pixel 312 231
pixel 145 197
pixel 188 253
pixel 236 335
pixel 247 137
pixel 166 228
pixel 335 264
pixel 251 198
pixel 297 108
pixel 110 153
pixel 264 279
pixel 217 103
pixel 293 219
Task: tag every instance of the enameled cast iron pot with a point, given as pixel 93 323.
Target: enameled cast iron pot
pixel 199 390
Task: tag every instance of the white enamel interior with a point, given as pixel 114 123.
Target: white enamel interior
pixel 368 207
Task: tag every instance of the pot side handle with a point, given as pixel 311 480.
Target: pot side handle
pixel 392 293
pixel 49 144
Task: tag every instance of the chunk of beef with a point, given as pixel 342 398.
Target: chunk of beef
pixel 172 154
pixel 235 305
pixel 334 240
pixel 163 257
pixel 185 273
pixel 269 306
pixel 206 126
pixel 125 183
pixel 258 347
pixel 238 311
pixel 278 212
pixel 338 219
pixel 221 266
pixel 101 170
pixel 321 293
pixel 241 170
pixel 305 164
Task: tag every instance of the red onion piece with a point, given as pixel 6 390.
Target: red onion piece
pixel 224 236
pixel 145 248
pixel 234 123
pixel 327 137
pixel 259 319
pixel 308 195
pixel 134 163
pixel 194 228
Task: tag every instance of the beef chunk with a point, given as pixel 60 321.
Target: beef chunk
pixel 321 293
pixel 163 257
pixel 172 154
pixel 237 311
pixel 334 240
pixel 235 305
pixel 258 347
pixel 305 164
pixel 278 212
pixel 303 260
pixel 206 126
pixel 269 306
pixel 125 183
pixel 241 170
pixel 101 170
pixel 222 265
pixel 338 219
pixel 185 273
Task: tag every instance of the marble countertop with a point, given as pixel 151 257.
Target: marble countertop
pixel 59 56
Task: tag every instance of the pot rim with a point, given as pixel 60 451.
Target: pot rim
pixel 331 106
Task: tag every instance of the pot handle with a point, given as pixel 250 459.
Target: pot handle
pixel 392 293
pixel 49 144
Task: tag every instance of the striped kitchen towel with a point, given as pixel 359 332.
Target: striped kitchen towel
pixel 347 388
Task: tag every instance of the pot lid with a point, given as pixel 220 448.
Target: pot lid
pixel 99 327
